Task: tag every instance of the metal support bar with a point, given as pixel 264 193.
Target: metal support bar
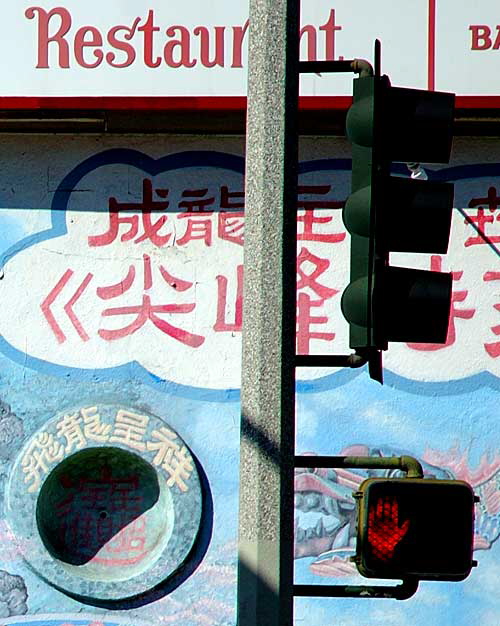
pixel 329 360
pixel 356 359
pixel 358 66
pixel 317 67
pixel 405 590
pixel 405 463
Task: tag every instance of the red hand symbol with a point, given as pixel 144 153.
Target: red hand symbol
pixel 384 531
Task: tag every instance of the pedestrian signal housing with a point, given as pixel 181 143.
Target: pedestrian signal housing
pixel 420 528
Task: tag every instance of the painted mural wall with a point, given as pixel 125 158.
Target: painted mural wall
pixel 120 334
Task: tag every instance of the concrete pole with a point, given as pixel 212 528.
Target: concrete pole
pixel 266 525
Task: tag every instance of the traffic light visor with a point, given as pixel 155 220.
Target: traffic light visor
pixel 414 215
pixel 417 125
pixel 413 305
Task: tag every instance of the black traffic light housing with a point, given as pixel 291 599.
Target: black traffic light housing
pixel 414 527
pixel 385 214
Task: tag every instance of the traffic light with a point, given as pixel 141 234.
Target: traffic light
pixel 414 527
pixel 386 213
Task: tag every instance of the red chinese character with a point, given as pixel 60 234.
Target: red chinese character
pixel 230 223
pixel 227 196
pixel 147 311
pixel 126 496
pixel 305 280
pixel 198 227
pixel 305 321
pixel 493 349
pixel 96 512
pixel 197 201
pixel 457 296
pixel 150 228
pixel 221 323
pixel 305 303
pixel 481 220
pixel 54 294
pixel 230 227
pixel 309 219
pixel 129 539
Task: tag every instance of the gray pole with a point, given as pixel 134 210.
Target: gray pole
pixel 265 569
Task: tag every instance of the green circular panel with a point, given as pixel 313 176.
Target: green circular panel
pixel 105 502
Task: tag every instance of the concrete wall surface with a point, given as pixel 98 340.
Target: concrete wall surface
pixel 120 344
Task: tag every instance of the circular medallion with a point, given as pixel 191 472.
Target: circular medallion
pixel 105 502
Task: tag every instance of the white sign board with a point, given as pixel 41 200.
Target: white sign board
pixel 126 48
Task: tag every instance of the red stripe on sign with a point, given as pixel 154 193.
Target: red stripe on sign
pixel 174 103
pixel 431 46
pixel 108 103
pixel 194 104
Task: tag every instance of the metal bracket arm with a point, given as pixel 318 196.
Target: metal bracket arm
pixel 357 66
pixel 405 463
pixel 330 360
pixel 405 590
